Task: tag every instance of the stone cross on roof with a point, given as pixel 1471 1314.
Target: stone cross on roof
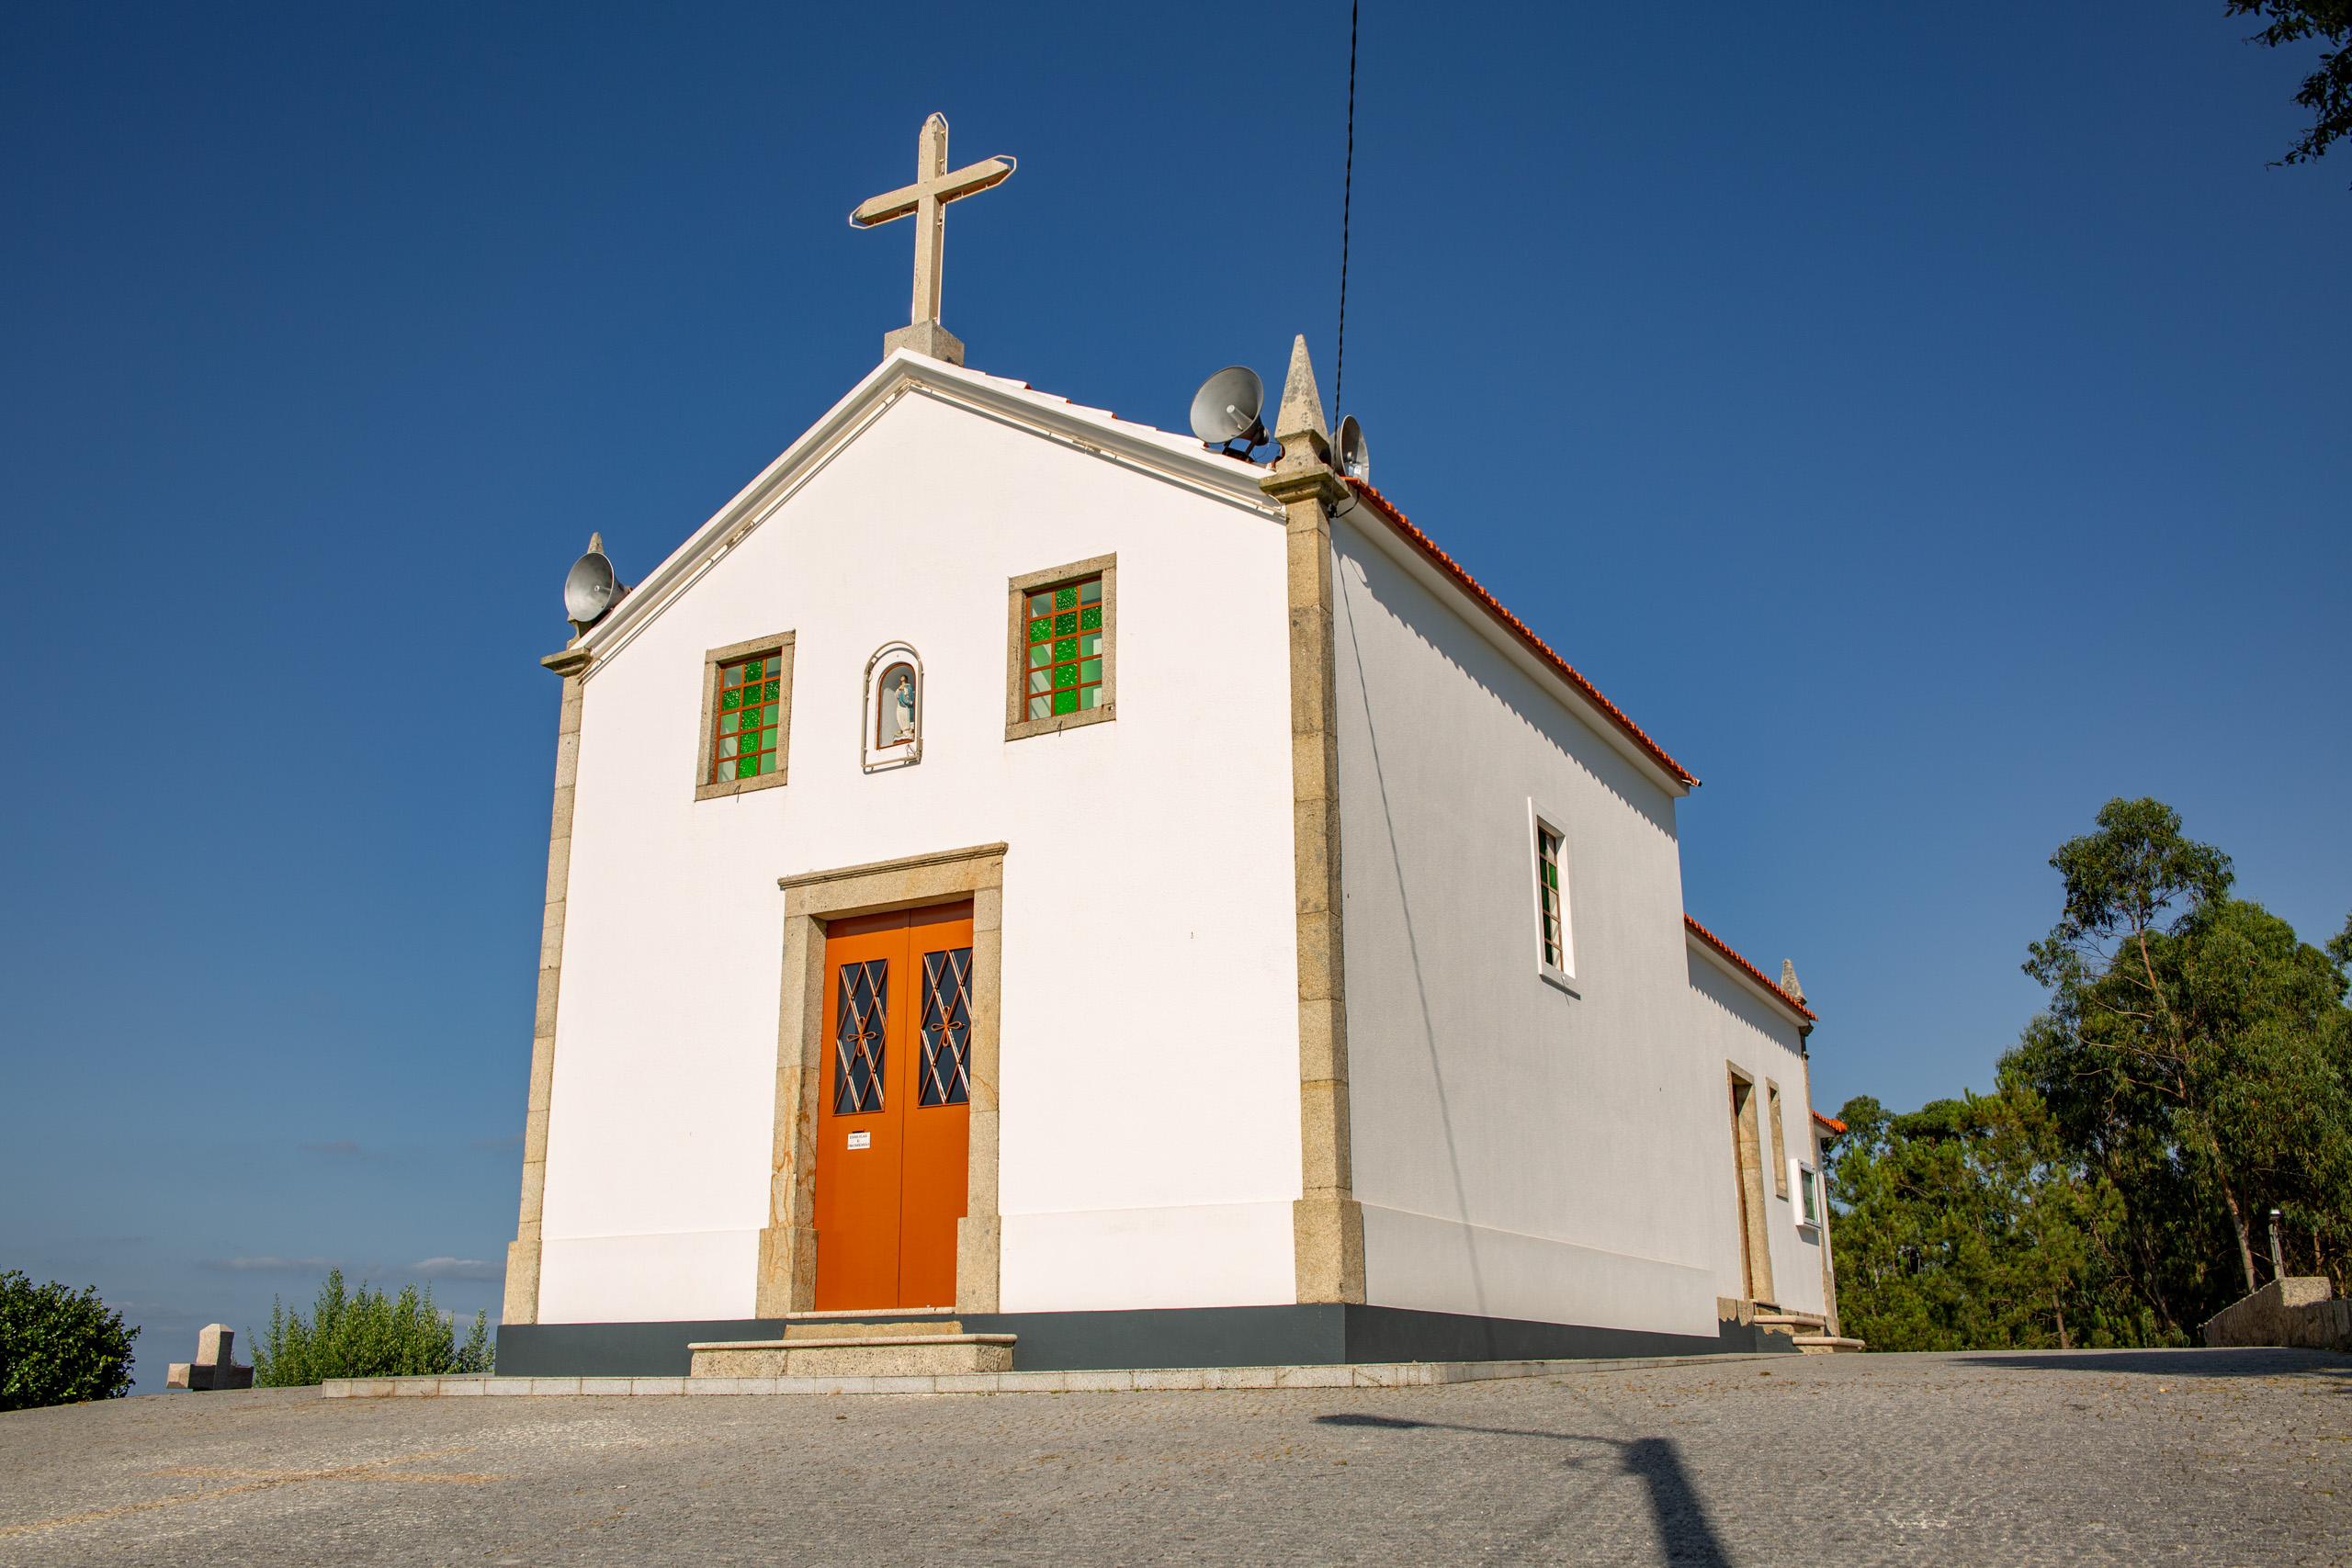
pixel 926 201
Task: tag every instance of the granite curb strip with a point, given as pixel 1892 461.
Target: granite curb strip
pixel 1391 1375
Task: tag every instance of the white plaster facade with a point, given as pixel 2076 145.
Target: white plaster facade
pixel 1732 1023
pixel 1522 1149
pixel 1149 1083
pixel 1557 1150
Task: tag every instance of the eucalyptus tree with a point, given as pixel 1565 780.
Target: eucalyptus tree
pixel 2194 1053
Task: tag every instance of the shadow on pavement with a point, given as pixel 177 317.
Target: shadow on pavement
pixel 1683 1530
pixel 2182 1363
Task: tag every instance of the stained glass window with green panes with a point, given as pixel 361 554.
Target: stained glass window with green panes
pixel 1066 635
pixel 1547 891
pixel 749 707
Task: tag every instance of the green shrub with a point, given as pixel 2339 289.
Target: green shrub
pixel 366 1334
pixel 57 1347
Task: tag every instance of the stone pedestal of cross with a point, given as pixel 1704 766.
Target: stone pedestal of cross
pixel 926 201
pixel 215 1365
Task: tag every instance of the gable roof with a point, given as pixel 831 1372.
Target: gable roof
pixel 1098 432
pixel 1520 631
pixel 1708 942
pixel 1177 459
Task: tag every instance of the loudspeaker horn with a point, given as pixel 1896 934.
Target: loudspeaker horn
pixel 1355 457
pixel 1226 410
pixel 589 587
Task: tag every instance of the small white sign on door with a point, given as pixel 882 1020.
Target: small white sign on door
pixel 861 1140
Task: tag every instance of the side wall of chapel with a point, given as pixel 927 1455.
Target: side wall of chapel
pixel 1738 1029
pixel 1150 1144
pixel 1521 1150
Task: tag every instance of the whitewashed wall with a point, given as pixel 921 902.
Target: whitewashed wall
pixel 1735 1025
pixel 1150 1148
pixel 1520 1151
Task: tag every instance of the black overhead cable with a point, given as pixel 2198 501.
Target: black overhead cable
pixel 1347 198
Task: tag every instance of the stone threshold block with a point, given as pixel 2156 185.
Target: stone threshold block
pixel 1393 1374
pixel 807 1351
pixel 852 1325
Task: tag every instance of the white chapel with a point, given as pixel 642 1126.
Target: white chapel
pixel 1187 922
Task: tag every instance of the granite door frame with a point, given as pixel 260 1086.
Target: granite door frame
pixel 787 1258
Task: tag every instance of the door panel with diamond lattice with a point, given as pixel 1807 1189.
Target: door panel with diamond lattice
pixel 894 1108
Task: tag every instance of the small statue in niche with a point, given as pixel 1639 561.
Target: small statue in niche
pixel 893 702
pixel 897 715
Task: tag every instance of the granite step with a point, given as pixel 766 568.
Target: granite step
pixel 827 1352
pixel 1785 1320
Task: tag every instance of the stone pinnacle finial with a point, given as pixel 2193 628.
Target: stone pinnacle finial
pixel 595 544
pixel 1789 982
pixel 1302 409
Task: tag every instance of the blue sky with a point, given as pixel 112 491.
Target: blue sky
pixel 1926 423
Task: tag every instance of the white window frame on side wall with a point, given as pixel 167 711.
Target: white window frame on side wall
pixel 1540 820
pixel 1806 1180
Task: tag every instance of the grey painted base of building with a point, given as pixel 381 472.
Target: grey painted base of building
pixel 1314 1335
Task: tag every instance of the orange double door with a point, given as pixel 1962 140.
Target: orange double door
pixel 894 1108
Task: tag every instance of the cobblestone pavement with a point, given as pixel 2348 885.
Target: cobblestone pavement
pixel 2188 1456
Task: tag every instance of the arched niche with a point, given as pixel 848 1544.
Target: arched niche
pixel 891 719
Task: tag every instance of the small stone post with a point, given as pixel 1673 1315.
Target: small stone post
pixel 215 1365
pixel 2278 1258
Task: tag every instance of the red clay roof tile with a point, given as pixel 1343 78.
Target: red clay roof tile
pixel 1519 628
pixel 1753 972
